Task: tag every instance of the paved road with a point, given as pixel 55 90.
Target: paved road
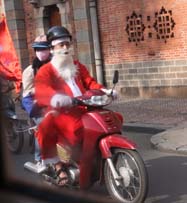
pixel 167 172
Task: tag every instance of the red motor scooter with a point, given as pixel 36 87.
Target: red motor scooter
pixel 106 155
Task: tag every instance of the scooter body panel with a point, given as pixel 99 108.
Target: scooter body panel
pixel 117 141
pixel 102 129
pixel 101 121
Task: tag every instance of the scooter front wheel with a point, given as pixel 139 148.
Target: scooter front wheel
pixel 132 184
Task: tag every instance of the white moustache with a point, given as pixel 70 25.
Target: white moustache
pixel 64 65
pixel 62 52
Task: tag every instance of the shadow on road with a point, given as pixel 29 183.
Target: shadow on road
pixel 168 179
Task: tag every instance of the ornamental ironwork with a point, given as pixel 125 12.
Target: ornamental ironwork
pixel 163 26
pixel 135 28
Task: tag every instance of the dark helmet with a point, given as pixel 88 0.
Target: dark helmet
pixel 57 32
pixel 41 42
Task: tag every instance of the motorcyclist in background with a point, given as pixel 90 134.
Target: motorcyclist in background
pixel 42 52
pixel 10 72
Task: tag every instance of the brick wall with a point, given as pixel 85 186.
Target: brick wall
pixel 82 34
pixel 30 27
pixel 16 23
pixel 146 57
pixel 150 57
pixel 74 16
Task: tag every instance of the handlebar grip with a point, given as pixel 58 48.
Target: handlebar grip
pixel 75 101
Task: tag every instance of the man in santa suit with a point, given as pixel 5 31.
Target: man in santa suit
pixel 56 83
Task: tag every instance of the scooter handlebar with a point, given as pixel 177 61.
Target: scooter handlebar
pixel 76 101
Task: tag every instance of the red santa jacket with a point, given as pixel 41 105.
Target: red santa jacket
pixel 48 83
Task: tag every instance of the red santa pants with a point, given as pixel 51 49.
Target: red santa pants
pixel 54 128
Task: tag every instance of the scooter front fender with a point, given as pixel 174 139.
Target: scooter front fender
pixel 116 140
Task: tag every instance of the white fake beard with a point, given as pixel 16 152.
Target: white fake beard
pixel 64 65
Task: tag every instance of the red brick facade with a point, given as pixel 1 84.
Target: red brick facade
pixel 29 25
pixel 145 40
pixel 113 22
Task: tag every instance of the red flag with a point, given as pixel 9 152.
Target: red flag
pixel 9 64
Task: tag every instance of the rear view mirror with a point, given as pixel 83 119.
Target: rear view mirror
pixel 116 77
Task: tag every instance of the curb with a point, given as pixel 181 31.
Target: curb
pixel 169 148
pixel 173 140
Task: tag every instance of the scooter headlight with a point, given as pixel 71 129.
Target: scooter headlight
pixel 98 100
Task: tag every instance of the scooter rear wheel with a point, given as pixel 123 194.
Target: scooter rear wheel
pixel 14 135
pixel 133 184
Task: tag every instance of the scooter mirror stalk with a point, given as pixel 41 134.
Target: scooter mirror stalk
pixel 116 77
pixel 115 80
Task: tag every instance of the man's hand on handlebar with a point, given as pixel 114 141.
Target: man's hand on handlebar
pixel 110 92
pixel 61 100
